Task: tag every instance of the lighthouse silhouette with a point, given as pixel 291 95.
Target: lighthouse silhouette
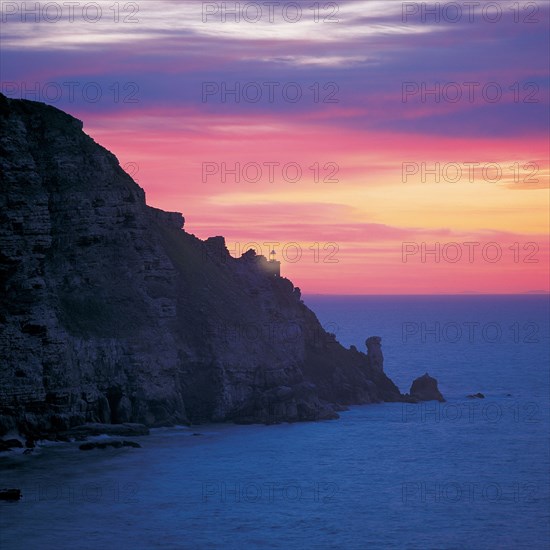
pixel 274 266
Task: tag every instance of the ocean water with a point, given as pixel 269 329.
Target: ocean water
pixel 465 474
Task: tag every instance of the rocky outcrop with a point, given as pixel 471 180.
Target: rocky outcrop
pixel 10 494
pixel 9 444
pixel 425 388
pixel 116 444
pixel 112 313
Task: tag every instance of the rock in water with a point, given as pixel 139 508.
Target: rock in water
pixel 112 313
pixel 10 494
pixel 9 444
pixel 104 444
pixel 478 395
pixel 425 388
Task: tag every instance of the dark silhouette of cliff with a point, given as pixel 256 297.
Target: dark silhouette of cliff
pixel 110 312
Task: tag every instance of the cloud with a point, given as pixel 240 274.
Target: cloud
pixel 163 54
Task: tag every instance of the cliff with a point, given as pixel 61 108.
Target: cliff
pixel 110 312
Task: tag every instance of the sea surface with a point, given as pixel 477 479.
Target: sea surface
pixel 465 474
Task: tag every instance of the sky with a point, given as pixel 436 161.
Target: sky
pixel 379 147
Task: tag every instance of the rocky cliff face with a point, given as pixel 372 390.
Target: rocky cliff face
pixel 111 312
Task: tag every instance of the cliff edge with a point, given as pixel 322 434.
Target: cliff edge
pixel 112 313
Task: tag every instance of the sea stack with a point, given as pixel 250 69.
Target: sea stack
pixel 425 388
